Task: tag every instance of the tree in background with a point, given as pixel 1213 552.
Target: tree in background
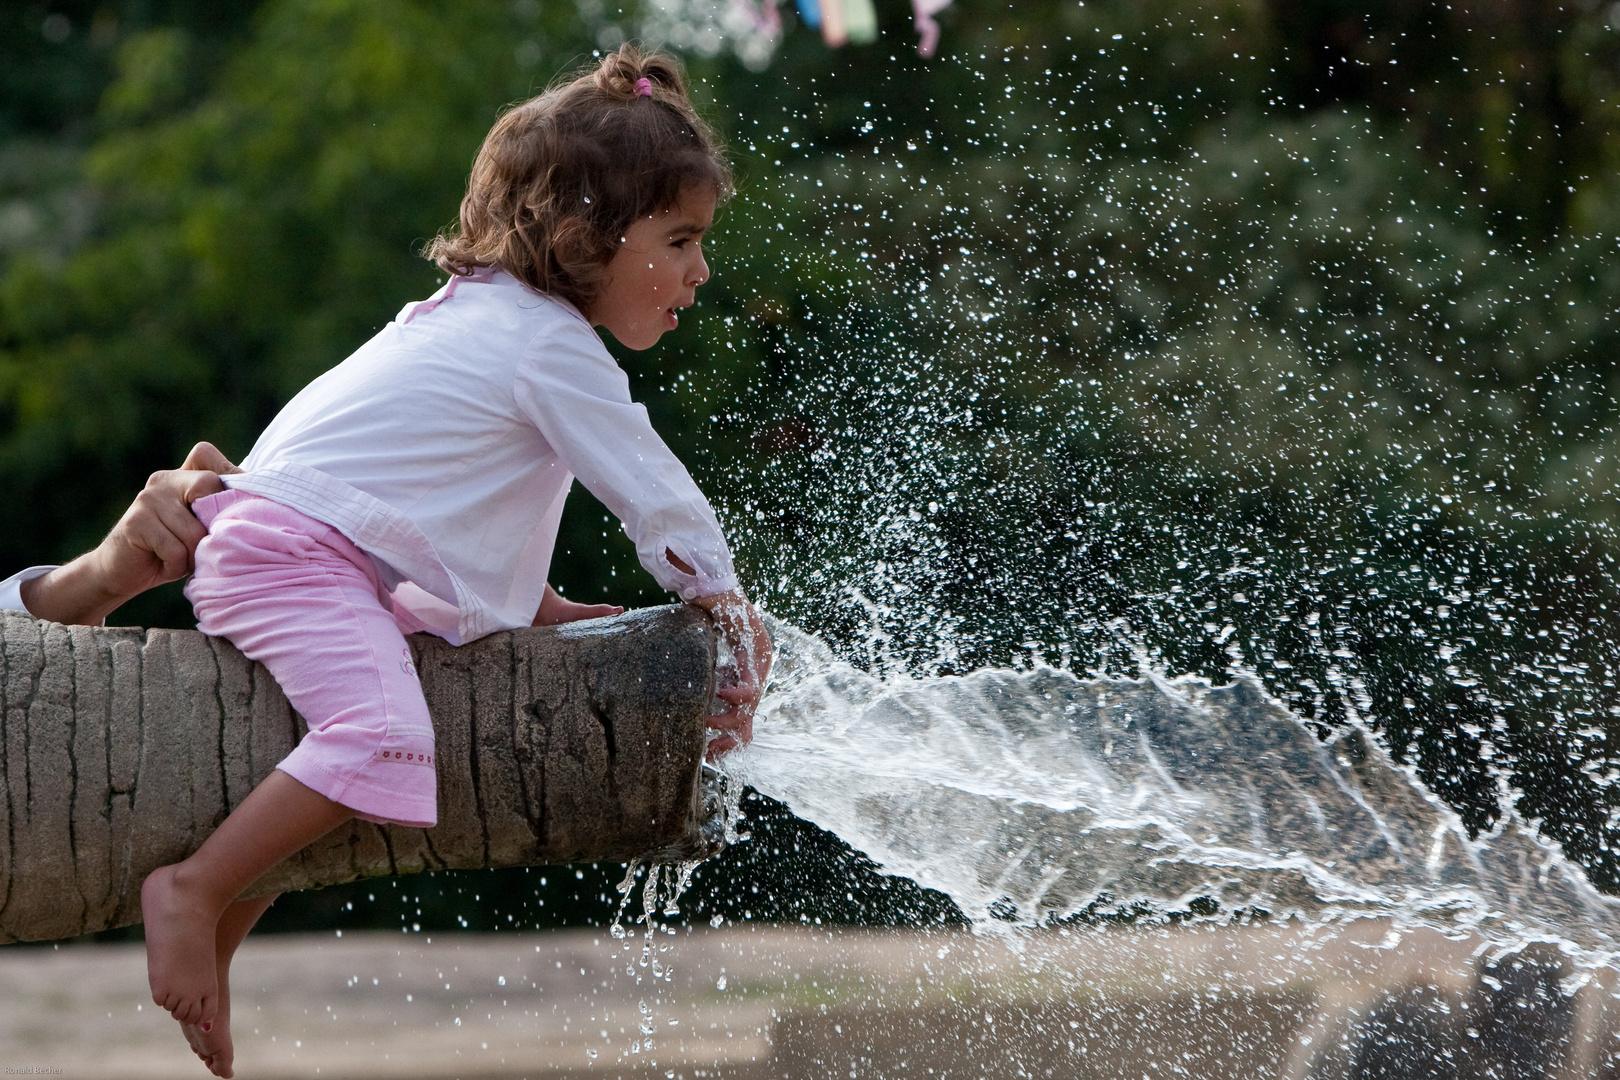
pixel 246 236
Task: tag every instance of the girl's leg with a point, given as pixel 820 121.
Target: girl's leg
pixel 214 1045
pixel 182 903
pixel 298 597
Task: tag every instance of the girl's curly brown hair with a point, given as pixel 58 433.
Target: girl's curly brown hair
pixel 561 176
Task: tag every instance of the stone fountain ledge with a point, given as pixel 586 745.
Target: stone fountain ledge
pixel 122 749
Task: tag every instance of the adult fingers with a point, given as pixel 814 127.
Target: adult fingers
pixel 187 484
pixel 167 503
pixel 207 456
pixel 157 528
pixel 196 484
pixel 173 554
pixel 167 498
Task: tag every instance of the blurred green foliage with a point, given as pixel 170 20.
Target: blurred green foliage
pixel 1276 335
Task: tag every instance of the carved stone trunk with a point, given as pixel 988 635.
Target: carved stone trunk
pixel 122 749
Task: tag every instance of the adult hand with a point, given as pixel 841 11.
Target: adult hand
pixel 152 543
pixel 740 685
pixel 554 610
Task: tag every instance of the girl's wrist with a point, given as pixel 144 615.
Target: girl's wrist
pixel 715 603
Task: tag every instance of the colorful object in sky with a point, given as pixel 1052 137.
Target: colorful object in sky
pixel 860 21
pixel 844 21
pixel 923 12
pixel 834 31
pixel 766 19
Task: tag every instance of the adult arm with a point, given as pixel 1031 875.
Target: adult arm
pixel 152 543
pixel 11 587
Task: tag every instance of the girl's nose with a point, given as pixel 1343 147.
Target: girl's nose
pixel 700 271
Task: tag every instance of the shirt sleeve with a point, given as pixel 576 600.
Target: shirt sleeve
pixel 11 588
pixel 579 399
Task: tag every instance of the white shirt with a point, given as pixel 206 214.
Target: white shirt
pixel 445 446
pixel 11 588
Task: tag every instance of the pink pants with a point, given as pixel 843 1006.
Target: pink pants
pixel 297 596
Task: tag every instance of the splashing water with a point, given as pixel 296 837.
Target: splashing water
pixel 1088 336
pixel 1084 335
pixel 661 891
pixel 1031 796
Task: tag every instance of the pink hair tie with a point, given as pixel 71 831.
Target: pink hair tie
pixel 644 88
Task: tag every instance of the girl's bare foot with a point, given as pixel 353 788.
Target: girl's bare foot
pixel 180 948
pixel 213 1044
pixel 194 921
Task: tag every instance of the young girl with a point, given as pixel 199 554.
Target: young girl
pixel 419 484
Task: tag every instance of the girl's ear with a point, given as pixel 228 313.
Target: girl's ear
pixel 579 257
pixel 575 244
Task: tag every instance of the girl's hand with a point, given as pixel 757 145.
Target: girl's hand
pixel 751 647
pixel 554 609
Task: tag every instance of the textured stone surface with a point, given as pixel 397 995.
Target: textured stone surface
pixel 121 750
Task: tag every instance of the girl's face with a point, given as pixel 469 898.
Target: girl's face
pixel 656 271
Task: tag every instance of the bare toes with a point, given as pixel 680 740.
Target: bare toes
pixel 179 948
